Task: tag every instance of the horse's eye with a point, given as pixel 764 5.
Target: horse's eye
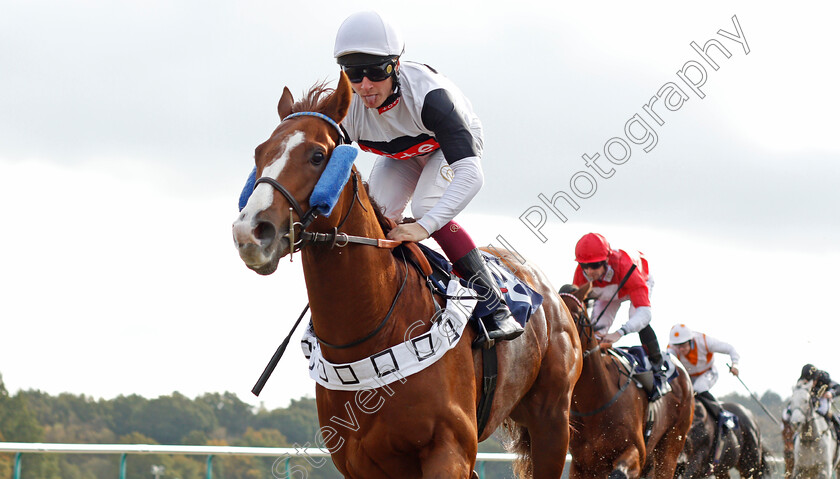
pixel 317 158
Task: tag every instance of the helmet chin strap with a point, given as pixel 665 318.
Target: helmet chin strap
pixel 391 98
pixel 395 88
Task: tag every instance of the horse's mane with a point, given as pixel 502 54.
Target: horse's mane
pixel 387 224
pixel 313 100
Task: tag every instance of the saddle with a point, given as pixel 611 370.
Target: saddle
pixel 635 361
pixel 643 375
pixel 721 417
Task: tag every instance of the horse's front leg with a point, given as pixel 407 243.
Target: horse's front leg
pixel 628 465
pixel 549 445
pixel 722 473
pixel 448 458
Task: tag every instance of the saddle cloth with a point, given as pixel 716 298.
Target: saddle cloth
pixel 415 353
pixel 520 298
pixel 640 364
pixel 419 352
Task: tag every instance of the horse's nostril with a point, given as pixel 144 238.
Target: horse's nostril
pixel 265 231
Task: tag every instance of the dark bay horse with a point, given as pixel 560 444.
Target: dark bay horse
pixel 610 412
pixel 742 448
pixel 364 300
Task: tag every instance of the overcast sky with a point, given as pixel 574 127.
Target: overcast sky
pixel 127 130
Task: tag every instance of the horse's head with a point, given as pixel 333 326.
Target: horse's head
pixel 575 299
pixel 801 403
pixel 288 166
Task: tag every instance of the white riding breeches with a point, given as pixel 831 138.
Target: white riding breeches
pixel 705 381
pixel 421 179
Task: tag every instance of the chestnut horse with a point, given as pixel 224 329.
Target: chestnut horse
pixel 741 449
pixel 424 426
pixel 787 440
pixel 609 413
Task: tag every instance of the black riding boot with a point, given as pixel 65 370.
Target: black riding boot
pixel 651 347
pixel 711 403
pixel 499 324
pixel 714 409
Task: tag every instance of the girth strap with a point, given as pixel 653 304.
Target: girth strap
pixel 485 404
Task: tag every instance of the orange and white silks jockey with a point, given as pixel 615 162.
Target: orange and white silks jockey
pixel 699 360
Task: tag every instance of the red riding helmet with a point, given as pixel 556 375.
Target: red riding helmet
pixel 592 248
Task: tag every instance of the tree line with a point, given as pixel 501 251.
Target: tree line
pixel 212 419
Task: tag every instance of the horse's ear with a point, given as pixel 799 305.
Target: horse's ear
pixel 338 103
pixel 284 107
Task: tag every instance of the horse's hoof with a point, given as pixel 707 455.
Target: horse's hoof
pixel 617 474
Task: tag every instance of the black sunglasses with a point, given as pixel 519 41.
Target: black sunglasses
pixel 592 265
pixel 377 72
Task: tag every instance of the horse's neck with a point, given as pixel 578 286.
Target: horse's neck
pixel 595 374
pixel 351 289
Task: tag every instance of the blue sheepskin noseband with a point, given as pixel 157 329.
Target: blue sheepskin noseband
pixel 329 186
pixel 333 179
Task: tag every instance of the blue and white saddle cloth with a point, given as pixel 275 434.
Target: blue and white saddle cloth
pixel 520 298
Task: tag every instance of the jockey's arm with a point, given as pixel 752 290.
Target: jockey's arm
pixel 718 346
pixel 442 114
pixel 639 318
pixel 466 182
pixel 824 405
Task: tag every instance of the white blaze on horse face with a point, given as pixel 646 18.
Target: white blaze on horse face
pixel 263 195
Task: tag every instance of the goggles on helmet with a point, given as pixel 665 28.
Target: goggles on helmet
pixel 594 265
pixel 376 72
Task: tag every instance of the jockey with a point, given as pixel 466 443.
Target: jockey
pixel 824 390
pixel 428 142
pixel 696 352
pixel 606 268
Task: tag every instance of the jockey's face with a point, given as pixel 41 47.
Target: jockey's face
pixel 594 273
pixel 374 93
pixel 684 348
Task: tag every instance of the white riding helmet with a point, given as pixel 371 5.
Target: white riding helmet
pixel 680 333
pixel 368 34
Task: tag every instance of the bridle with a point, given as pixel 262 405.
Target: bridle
pixel 305 218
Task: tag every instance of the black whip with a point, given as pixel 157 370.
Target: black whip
pixel 269 368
